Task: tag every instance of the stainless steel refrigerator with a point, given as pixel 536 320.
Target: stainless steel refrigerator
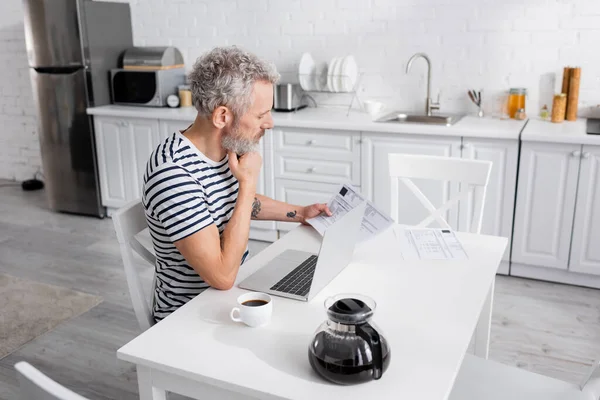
pixel 71 46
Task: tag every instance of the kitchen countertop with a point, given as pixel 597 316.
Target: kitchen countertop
pixel 336 119
pixel 538 130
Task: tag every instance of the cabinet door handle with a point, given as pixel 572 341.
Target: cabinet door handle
pixel 312 169
pixel 576 153
pixel 586 155
pixel 311 142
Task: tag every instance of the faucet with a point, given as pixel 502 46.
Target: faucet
pixel 429 105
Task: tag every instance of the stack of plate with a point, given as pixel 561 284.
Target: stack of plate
pixel 339 75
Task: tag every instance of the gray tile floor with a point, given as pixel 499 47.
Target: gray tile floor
pixel 548 328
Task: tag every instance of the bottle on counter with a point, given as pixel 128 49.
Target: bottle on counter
pixel 559 107
pixel 520 114
pixel 545 113
pixel 516 100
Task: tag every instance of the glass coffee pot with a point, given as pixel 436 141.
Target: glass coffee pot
pixel 347 349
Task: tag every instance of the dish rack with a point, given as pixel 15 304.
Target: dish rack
pixel 307 80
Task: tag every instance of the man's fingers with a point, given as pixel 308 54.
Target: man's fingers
pixel 323 208
pixel 233 160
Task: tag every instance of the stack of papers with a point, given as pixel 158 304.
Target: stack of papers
pixel 414 243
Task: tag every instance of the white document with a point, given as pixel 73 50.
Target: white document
pixel 429 244
pixel 345 200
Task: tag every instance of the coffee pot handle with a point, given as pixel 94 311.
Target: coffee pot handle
pixel 371 336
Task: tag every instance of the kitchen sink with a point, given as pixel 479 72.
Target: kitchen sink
pixel 407 118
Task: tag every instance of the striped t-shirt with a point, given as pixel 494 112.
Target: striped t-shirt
pixel 184 191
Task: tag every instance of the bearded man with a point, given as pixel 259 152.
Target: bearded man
pixel 199 191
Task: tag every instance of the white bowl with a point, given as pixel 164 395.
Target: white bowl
pixel 373 107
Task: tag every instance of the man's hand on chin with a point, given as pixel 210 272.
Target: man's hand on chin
pixel 313 210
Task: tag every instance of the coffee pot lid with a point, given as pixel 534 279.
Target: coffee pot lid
pixel 350 309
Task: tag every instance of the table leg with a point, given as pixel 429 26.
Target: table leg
pixel 145 386
pixel 484 325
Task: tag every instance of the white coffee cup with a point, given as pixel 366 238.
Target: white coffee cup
pixel 254 309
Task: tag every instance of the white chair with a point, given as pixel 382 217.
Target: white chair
pixel 34 385
pixel 469 174
pixel 484 379
pixel 129 221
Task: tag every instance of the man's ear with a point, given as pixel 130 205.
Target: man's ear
pixel 220 117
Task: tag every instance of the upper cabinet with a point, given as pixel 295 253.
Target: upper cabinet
pixel 585 248
pixel 545 206
pixel 376 180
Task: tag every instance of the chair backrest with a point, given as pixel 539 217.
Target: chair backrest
pixel 34 385
pixel 468 173
pixel 591 384
pixel 129 221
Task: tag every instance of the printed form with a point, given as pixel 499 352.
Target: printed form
pixel 414 243
pixel 345 200
pixel 429 244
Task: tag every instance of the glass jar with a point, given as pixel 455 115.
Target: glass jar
pixel 185 96
pixel 516 100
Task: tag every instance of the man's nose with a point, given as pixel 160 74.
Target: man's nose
pixel 268 124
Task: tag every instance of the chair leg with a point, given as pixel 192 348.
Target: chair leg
pixel 483 329
pixel 147 390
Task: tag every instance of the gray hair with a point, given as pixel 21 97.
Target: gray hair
pixel 224 77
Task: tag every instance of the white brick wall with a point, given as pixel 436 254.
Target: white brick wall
pixel 472 44
pixel 19 146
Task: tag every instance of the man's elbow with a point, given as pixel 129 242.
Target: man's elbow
pixel 223 284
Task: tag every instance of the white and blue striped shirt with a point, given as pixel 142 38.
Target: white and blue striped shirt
pixel 184 191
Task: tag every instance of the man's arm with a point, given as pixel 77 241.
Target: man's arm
pixel 265 208
pixel 217 260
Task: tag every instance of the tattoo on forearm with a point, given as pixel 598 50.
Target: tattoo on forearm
pixel 291 214
pixel 255 208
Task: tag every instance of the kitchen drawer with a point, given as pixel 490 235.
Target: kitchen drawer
pixel 303 167
pixel 323 145
pixel 302 194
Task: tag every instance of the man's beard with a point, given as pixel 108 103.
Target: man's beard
pixel 232 140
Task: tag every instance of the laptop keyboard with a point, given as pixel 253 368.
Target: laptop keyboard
pixel 298 281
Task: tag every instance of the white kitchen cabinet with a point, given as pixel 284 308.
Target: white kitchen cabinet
pixel 302 193
pixel 123 146
pixel 585 248
pixel 317 155
pixel 376 181
pixel 145 137
pixel 545 205
pixel 265 230
pixel 168 127
pixel 499 204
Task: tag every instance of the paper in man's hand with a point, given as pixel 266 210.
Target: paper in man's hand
pixel 347 198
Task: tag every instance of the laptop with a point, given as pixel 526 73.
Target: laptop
pixel 301 275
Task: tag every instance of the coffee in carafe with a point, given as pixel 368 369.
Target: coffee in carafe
pixel 347 349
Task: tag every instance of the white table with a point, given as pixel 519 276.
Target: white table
pixel 428 311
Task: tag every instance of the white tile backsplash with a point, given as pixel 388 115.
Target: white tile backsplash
pixel 472 44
